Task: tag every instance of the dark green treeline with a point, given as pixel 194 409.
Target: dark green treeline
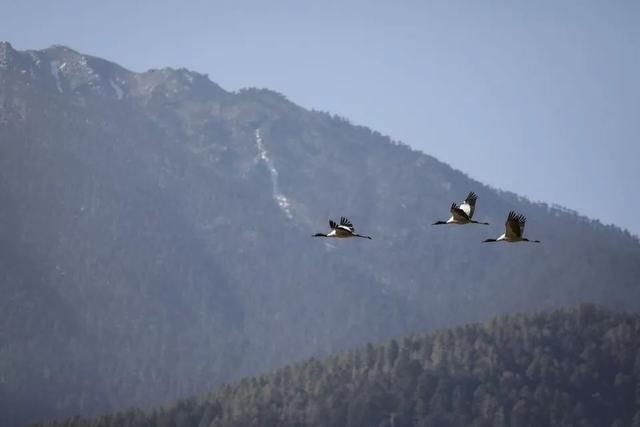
pixel 578 367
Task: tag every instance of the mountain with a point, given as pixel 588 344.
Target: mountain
pixel 578 367
pixel 155 238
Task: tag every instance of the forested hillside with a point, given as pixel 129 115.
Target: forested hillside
pixel 578 367
pixel 155 238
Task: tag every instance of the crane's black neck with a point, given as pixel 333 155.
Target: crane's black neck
pixel 531 241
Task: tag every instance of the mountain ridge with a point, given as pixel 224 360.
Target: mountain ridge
pixel 281 97
pixel 135 227
pixel 574 366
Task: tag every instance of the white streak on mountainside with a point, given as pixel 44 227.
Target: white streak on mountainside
pixel 55 72
pixel 280 198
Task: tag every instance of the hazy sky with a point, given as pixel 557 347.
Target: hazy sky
pixel 540 98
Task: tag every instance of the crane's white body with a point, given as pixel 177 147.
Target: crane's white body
pixel 463 213
pixel 514 230
pixel 342 231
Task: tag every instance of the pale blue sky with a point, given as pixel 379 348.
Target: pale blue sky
pixel 539 98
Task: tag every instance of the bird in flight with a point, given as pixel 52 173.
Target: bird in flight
pixel 514 230
pixel 343 230
pixel 463 213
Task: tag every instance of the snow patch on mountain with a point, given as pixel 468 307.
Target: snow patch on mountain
pixel 280 198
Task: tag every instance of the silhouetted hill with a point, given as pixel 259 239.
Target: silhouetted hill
pixel 578 367
pixel 155 238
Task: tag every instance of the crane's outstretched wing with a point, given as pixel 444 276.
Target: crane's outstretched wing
pixel 346 224
pixel 514 227
pixel 469 204
pixel 458 213
pixel 332 224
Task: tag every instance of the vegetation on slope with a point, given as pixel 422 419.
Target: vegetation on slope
pixel 578 367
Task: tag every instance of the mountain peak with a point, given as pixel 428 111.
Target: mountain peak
pixel 61 48
pixel 65 69
pixel 176 83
